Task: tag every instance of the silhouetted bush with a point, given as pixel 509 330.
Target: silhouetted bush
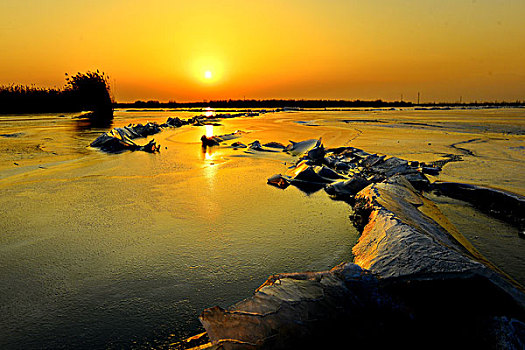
pixel 83 92
pixel 90 91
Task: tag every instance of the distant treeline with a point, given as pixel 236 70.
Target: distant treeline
pixel 91 92
pixel 82 92
pixel 273 104
pixel 263 104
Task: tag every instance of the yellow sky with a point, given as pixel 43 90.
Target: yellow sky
pixel 161 49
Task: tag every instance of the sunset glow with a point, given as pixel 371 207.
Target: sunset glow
pixel 262 174
pixel 190 51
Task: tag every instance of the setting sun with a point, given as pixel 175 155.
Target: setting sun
pixel 292 49
pixel 152 195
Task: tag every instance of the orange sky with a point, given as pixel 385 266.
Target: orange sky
pixel 161 49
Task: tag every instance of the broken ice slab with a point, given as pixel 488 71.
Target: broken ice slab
pixel 297 148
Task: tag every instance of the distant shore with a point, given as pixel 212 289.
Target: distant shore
pixel 318 103
pixel 21 100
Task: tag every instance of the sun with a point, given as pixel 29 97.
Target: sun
pixel 207 70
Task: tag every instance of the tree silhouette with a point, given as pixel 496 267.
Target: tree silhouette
pixel 83 92
pixel 90 91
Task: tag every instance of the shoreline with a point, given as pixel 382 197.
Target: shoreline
pixel 293 106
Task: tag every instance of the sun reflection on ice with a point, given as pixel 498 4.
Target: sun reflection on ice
pixel 208 155
pixel 210 168
pixel 209 130
pixel 209 112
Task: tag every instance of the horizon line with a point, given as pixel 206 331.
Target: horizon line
pixel 317 100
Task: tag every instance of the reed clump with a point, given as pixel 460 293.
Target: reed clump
pixel 88 91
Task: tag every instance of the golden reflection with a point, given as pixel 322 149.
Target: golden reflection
pixel 210 169
pixel 209 130
pixel 303 165
pixel 209 112
pixel 208 155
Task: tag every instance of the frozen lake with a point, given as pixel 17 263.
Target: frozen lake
pixel 119 251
